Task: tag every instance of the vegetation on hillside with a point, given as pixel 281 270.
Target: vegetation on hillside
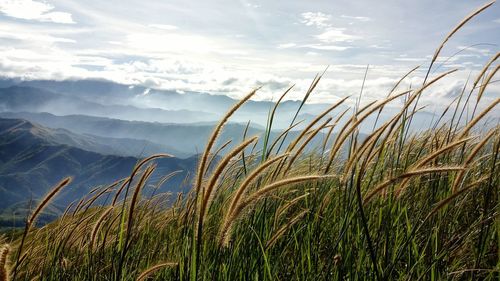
pixel 397 205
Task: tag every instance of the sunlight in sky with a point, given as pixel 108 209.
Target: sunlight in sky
pixel 229 47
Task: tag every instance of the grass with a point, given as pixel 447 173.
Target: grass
pixel 394 205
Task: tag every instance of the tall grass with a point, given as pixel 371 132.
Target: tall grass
pixel 394 205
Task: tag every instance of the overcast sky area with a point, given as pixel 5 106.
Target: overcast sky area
pixel 229 47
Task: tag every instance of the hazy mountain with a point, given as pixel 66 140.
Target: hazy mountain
pixel 31 162
pixel 209 106
pixel 16 98
pixel 188 139
pixel 103 145
pixel 130 102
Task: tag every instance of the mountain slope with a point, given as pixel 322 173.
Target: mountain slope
pixel 16 98
pixel 31 164
pixel 107 93
pixel 186 138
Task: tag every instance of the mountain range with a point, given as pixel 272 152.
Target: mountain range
pixel 97 130
pixel 34 158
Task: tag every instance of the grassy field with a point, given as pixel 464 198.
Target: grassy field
pixel 394 205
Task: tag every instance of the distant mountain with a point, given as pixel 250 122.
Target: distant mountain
pixel 185 138
pixel 211 107
pixel 133 102
pixel 188 139
pixel 17 98
pixel 102 145
pixel 31 162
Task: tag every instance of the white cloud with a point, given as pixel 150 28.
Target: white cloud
pixel 316 19
pixel 358 18
pixel 410 59
pixel 34 10
pixel 333 35
pixel 164 26
pixel 231 44
pixel 481 51
pixel 326 47
pixel 497 21
pixel 286 45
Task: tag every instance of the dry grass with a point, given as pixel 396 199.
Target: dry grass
pixel 395 204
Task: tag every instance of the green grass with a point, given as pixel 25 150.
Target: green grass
pixel 395 205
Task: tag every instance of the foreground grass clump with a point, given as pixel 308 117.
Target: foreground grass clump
pixel 393 205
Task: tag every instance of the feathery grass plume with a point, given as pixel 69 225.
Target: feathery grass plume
pixel 404 240
pixel 471 156
pixel 157 267
pixel 485 68
pixel 34 215
pixel 429 158
pixel 164 179
pixel 68 208
pixel 460 25
pixel 283 208
pixel 97 226
pixel 249 179
pixel 282 134
pixel 213 138
pixel 438 50
pixel 332 127
pixel 136 169
pixel 344 134
pixel 412 98
pixel 74 227
pixel 412 173
pixel 214 156
pixel 392 91
pixel 199 193
pixel 313 85
pixel 450 198
pixel 270 123
pixel 127 184
pixel 313 122
pixel 370 140
pixel 119 191
pixel 485 83
pixel 242 189
pixel 226 229
pixel 243 157
pixel 4 270
pixel 212 182
pixel 279 233
pixel 105 190
pixel 145 176
pixel 478 118
pixel 303 145
pixel 47 199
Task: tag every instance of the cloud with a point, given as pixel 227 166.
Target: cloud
pixel 34 10
pixel 410 59
pixel 326 47
pixel 317 19
pixel 333 35
pixel 232 49
pixel 286 45
pixel 358 18
pixel 32 37
pixel 481 51
pixel 330 34
pixel 164 26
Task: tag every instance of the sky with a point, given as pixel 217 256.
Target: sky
pixel 231 46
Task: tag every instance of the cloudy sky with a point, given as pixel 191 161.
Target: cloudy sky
pixel 228 46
